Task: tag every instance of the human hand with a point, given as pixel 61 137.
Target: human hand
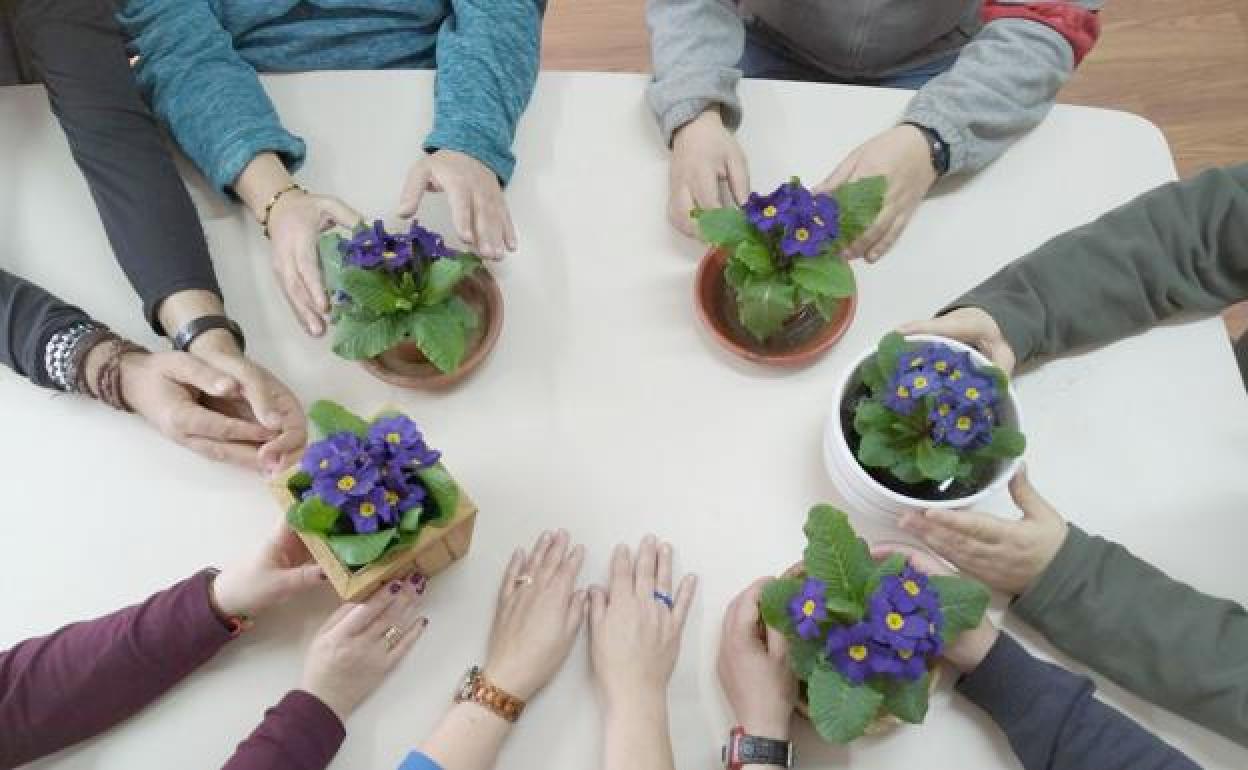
pixel 352 653
pixel 973 326
pixel 754 668
pixel 972 646
pixel 1006 555
pixel 478 210
pixel 275 573
pixel 901 155
pixel 704 154
pixel 635 637
pixel 296 222
pixel 539 614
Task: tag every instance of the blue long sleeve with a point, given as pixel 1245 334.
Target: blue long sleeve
pixel 418 761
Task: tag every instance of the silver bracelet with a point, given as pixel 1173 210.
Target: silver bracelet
pixel 58 356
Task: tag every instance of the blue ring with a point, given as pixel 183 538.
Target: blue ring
pixel 665 598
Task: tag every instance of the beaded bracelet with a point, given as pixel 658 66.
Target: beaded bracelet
pixel 268 207
pixel 65 349
pixel 108 379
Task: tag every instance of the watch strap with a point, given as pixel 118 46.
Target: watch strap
pixel 477 689
pixel 187 335
pixel 937 146
pixel 744 749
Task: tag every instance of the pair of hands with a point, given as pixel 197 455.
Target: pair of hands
pixel 634 638
pixel 705 154
pixel 478 212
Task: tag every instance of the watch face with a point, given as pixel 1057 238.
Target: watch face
pixel 470 683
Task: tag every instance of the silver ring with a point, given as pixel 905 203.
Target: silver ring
pixel 665 598
pixel 392 637
pixel 524 580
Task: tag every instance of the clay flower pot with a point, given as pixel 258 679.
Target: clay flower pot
pixel 805 337
pixel 405 366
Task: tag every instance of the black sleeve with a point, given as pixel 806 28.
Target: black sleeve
pixel 29 316
pixel 1053 721
pixel 75 48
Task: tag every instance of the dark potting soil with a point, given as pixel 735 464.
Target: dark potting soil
pixel 924 490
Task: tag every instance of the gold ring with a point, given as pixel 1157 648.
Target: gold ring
pixel 524 580
pixel 392 637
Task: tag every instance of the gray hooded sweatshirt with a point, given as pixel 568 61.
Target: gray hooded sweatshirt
pixel 1004 82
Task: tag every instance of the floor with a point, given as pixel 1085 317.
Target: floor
pixel 1185 69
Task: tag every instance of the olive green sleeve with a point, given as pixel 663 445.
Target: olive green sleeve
pixel 1166 641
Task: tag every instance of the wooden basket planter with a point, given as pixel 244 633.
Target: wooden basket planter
pixel 434 549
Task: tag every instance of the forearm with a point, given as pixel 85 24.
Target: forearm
pixel 61 689
pixel 695 46
pixel 637 735
pixel 1052 720
pixel 29 317
pixel 469 737
pixel 299 733
pixel 1181 248
pixel 1176 646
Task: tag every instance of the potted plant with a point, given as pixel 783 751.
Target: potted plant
pixel 864 635
pixel 922 422
pixel 371 500
pixel 415 313
pixel 774 287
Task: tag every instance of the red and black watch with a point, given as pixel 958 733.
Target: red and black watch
pixel 743 749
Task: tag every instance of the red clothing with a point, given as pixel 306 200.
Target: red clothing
pixel 60 689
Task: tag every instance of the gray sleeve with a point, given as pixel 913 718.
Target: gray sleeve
pixel 695 46
pixel 1003 84
pixel 29 316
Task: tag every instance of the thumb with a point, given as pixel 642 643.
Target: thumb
pixel 945 326
pixel 839 176
pixel 1032 504
pixel 738 179
pixel 186 369
pixel 414 190
pixel 340 213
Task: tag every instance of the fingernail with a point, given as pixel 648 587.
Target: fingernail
pixel 424 623
pixel 221 387
pixel 323 576
pixel 418 582
pixel 395 587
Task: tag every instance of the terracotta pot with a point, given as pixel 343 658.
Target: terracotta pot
pixel 883 723
pixel 805 337
pixel 405 366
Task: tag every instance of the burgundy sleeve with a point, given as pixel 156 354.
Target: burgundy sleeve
pixel 87 677
pixel 300 733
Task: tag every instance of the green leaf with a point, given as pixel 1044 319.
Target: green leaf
pixel 906 470
pixel 358 550
pixel 463 313
pixel 1006 443
pixel 444 275
pixel 844 610
pixel 888 353
pixel 774 603
pixel 893 565
pixel 440 334
pixel 299 482
pixel 443 490
pixel 724 227
pixel 876 449
pixel 803 656
pixel 764 304
pixel 755 257
pixel 827 306
pixel 356 339
pixel 410 520
pixel 826 275
pixel 329 418
pixel 736 274
pixel 835 554
pixel 999 377
pixel 312 515
pixel 907 700
pixel 331 259
pixel 840 711
pixel 962 602
pixel 371 290
pixel 937 463
pixel 872 415
pixel 860 201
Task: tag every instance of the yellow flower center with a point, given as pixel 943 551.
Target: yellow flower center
pixel 894 621
pixel 802 234
pixel 393 437
pixel 916 362
pixel 903 391
pixel 808 608
pixel 905 654
pixel 940 366
pixel 956 375
pixel 964 423
pixel 769 211
pixel 943 410
pixel 388 254
pixel 858 652
pixel 392 497
pixel 972 394
pixel 920 382
pixel 368 509
pixel 910 587
pixel 324 464
pixel 346 483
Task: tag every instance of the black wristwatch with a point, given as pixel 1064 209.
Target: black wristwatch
pixel 938 147
pixel 745 749
pixel 188 334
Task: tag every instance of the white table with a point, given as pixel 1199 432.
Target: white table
pixel 605 409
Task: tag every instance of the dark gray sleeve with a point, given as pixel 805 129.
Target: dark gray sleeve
pixel 1052 720
pixel 1181 248
pixel 29 316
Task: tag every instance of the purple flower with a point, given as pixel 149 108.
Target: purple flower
pixel 765 211
pixel 904 617
pixel 365 247
pixel 429 243
pixel 944 360
pixel 398 440
pixel 899 398
pixel 348 471
pixel 402 495
pixel 802 238
pixel 856 655
pixel 975 391
pixel 808 608
pixel 827 216
pixel 968 427
pixel 920 382
pixel 893 628
pixel 370 511
pixel 910 592
pixel 330 455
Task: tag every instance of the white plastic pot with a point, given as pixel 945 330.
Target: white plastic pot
pixel 863 493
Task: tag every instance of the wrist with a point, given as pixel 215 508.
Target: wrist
pixel 773 726
pixel 342 706
pixel 215 341
pixel 628 701
pixel 972 648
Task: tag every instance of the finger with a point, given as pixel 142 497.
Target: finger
pixel 489 227
pixel 976 526
pixel 511 574
pixel 684 599
pixel 402 614
pixel 1032 504
pixel 744 614
pixel 245 455
pixel 362 616
pixel 554 556
pixel 571 566
pixel 889 239
pixel 663 575
pixel 860 248
pixel 267 403
pixel 538 553
pixel 597 607
pixel 308 265
pixel 706 191
pixel 576 611
pixel 338 213
pixel 297 297
pixel 409 639
pixel 954 546
pixel 461 215
pixel 187 369
pixel 191 419
pixel 509 231
pixel 414 190
pixel 679 209
pixel 738 179
pixel 644 569
pixel 299 579
pixel 840 175
pixel 621 572
pixel 919 560
pixel 337 616
pixel 281 452
pixel 958 325
pixel 777 644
